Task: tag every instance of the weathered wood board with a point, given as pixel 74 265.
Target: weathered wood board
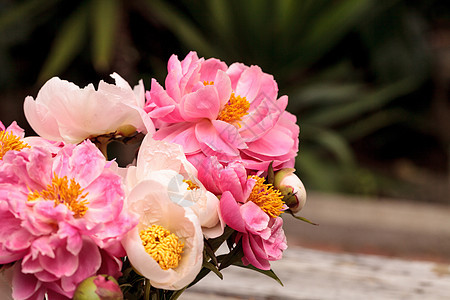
pixel 312 274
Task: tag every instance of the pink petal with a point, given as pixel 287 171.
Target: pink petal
pixel 229 133
pixel 249 83
pixel 253 216
pixel 213 142
pixel 24 285
pixel 259 263
pixel 229 209
pixel 64 263
pixel 274 143
pixel 223 85
pixel 89 253
pixel 208 172
pixel 210 68
pixel 256 243
pixel 180 133
pixel 203 103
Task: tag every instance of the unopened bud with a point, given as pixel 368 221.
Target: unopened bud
pixel 100 287
pixel 292 189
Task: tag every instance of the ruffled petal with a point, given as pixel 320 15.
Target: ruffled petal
pixel 201 104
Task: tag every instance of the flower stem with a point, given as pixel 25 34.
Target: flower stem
pixel 147 289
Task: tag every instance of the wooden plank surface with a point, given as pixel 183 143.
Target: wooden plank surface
pixel 313 274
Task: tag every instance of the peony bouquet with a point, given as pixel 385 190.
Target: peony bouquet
pixel 214 169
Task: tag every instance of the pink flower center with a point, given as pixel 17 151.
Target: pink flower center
pixel 9 141
pixel 162 245
pixel 61 192
pixel 266 197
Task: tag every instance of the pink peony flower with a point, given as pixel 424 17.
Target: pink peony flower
pixel 64 112
pixel 62 218
pixel 12 139
pixel 252 208
pixel 229 112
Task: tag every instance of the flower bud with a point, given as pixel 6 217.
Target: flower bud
pixel 100 287
pixel 292 189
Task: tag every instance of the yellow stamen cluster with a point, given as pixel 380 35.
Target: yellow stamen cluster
pixel 208 82
pixel 162 245
pixel 9 141
pixel 266 197
pixel 61 192
pixel 191 185
pixel 234 110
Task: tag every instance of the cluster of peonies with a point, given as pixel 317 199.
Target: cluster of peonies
pixel 213 139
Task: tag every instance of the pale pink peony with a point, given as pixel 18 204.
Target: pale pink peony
pixel 245 207
pixel 62 218
pixel 166 163
pixel 150 201
pixel 64 112
pixel 229 112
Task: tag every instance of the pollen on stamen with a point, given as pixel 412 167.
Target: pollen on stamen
pixel 267 198
pixel 8 142
pixel 191 185
pixel 162 245
pixel 234 110
pixel 61 191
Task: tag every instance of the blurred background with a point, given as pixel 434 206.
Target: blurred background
pixel 369 80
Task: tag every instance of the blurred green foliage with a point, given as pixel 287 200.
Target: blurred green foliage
pixel 351 68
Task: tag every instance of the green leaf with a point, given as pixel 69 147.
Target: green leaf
pixel 177 293
pixel 212 268
pixel 363 104
pixel 228 259
pixel 210 252
pixel 269 273
pixel 105 15
pixel 23 10
pixel 181 26
pixel 302 218
pixel 217 242
pixel 332 141
pixel 203 272
pixel 333 22
pixel 67 44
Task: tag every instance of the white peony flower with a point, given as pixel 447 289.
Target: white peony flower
pixel 64 112
pixel 166 163
pixel 173 259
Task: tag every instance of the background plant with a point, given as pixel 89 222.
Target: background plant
pixel 364 77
